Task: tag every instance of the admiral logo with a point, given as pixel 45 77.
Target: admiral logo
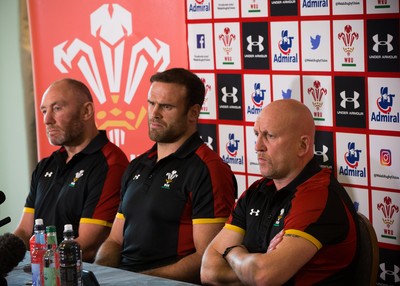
pixel 315 3
pixel 200 6
pixel 388 210
pixel 257 98
pixel 352 158
pixel 227 38
pixel 394 274
pixel 257 43
pixel 285 47
pixel 317 92
pixel 48 174
pixel 200 40
pixel 348 37
pixel 232 149
pixel 385 104
pixel 232 145
pixel 385 157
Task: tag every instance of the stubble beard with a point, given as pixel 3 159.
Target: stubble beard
pixel 69 136
pixel 166 136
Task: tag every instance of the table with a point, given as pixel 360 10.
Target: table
pixel 106 276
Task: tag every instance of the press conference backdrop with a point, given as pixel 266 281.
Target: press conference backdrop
pixel 341 58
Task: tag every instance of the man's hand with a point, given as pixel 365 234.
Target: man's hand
pixel 276 240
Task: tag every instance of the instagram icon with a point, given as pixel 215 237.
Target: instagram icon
pixel 386 157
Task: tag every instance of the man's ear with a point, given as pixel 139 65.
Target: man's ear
pixel 87 110
pixel 194 112
pixel 305 145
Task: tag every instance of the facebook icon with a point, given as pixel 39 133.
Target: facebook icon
pixel 201 43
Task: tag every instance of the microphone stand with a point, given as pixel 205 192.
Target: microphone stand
pixel 5 221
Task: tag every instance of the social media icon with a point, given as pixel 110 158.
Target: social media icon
pixel 201 43
pixel 386 157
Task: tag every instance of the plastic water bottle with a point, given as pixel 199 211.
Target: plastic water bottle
pixel 38 226
pixel 70 259
pixel 51 259
pixel 38 248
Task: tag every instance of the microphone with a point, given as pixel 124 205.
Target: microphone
pixel 2 197
pixel 4 221
pixel 7 219
pixel 12 252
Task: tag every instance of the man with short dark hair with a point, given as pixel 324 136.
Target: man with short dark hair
pixel 175 197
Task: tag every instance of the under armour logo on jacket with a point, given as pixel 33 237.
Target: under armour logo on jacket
pixel 255 212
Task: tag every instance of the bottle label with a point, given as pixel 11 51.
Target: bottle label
pixel 36 274
pixel 50 277
pixel 68 276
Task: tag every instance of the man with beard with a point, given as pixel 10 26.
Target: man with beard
pixel 177 196
pixel 78 184
pixel 297 225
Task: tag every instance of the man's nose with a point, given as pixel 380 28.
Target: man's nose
pixel 155 111
pixel 48 118
pixel 259 146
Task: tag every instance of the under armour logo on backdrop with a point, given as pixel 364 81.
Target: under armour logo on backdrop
pixel 383 42
pixel 389 272
pixel 231 96
pixel 256 43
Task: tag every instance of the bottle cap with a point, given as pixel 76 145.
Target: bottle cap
pixel 50 228
pixel 68 227
pixel 39 226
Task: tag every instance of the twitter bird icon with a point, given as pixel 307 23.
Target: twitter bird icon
pixel 315 42
pixel 287 94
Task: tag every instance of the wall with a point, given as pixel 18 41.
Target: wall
pixel 14 148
